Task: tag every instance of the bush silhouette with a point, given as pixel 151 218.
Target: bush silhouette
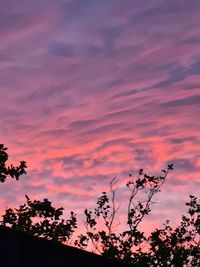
pixel 178 246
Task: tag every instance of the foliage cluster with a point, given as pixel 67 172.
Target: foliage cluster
pixel 9 171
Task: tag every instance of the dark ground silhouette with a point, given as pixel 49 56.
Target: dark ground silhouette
pixel 19 249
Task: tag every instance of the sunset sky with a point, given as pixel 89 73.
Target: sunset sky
pixel 91 89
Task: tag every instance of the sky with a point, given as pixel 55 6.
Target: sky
pixel 91 89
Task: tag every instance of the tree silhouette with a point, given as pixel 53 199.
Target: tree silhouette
pixel 179 246
pixel 9 171
pixel 168 246
pixel 125 245
pixel 40 218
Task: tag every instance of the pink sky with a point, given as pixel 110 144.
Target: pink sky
pixel 91 89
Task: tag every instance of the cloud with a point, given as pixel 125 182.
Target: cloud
pixel 93 89
pixel 61 50
pixel 185 164
pixel 183 140
pixel 83 123
pixel 191 100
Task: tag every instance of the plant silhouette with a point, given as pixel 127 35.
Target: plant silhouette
pixel 168 246
pixel 48 222
pixel 9 171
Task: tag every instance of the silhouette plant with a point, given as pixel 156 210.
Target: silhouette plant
pixel 127 244
pixel 40 218
pixel 9 171
pixel 179 246
pixel 168 246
